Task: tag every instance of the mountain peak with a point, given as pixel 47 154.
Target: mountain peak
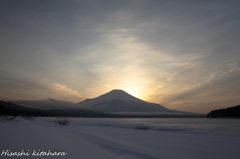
pixel 115 94
pixel 118 94
pixel 117 90
pixel 118 100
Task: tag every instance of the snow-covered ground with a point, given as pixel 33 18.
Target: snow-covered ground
pixel 94 138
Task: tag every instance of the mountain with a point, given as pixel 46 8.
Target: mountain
pixel 231 112
pixel 8 108
pixel 119 101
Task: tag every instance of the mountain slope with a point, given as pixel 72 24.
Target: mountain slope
pixel 119 101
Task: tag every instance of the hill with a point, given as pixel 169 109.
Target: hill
pixel 231 112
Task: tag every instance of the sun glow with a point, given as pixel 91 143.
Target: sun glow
pixel 134 89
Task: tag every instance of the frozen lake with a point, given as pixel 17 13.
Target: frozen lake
pixel 196 125
pixel 111 138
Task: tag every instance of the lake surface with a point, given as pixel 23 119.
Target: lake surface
pixel 194 125
pixel 201 125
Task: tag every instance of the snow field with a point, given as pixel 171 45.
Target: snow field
pixel 94 138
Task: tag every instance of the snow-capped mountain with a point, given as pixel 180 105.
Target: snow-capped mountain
pixel 112 95
pixel 117 101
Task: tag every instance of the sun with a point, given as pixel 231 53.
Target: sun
pixel 133 89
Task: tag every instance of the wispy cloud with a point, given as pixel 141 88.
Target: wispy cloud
pixel 65 90
pixel 162 51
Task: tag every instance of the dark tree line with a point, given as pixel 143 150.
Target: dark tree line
pixel 231 112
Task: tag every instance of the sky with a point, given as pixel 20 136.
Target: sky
pixel 182 54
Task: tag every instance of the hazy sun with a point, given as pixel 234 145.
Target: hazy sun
pixel 133 89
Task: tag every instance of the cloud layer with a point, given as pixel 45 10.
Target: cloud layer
pixel 181 54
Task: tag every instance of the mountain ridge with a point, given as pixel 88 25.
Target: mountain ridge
pixel 118 101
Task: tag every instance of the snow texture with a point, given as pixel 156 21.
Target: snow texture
pixel 90 138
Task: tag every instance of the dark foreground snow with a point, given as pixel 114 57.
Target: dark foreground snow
pixel 83 139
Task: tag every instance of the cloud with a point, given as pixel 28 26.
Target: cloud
pixel 217 89
pixel 18 87
pixel 165 50
pixel 65 90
